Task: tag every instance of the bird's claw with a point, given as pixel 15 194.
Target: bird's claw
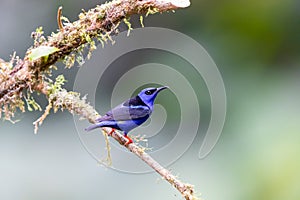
pixel 129 140
pixel 111 132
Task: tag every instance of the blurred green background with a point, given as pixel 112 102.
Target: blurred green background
pixel 255 45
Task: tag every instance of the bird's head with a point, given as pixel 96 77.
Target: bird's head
pixel 148 95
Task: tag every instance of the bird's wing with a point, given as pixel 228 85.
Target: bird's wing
pixel 126 111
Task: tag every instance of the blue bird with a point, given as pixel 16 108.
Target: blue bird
pixel 129 114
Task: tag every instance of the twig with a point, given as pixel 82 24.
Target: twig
pixel 59 23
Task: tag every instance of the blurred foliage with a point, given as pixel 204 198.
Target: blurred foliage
pixel 257 32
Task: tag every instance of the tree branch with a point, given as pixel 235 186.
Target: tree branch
pixel 72 102
pixel 31 74
pixel 99 22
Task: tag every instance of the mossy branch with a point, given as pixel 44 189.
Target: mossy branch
pixel 60 98
pixel 100 22
pixel 71 101
pixel 30 74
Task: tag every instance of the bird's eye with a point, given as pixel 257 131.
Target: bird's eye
pixel 149 92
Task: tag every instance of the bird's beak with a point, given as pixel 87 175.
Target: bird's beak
pixel 162 88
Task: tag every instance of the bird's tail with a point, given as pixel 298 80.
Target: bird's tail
pixel 92 127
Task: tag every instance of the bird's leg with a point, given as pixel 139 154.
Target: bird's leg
pixel 111 132
pixel 128 138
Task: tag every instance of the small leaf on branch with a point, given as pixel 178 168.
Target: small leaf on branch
pixel 41 51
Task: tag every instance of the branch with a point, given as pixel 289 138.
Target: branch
pixel 99 22
pixel 72 102
pixel 30 73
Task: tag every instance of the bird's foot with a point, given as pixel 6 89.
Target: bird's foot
pixel 129 140
pixel 111 132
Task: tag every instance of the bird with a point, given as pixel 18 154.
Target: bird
pixel 129 114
